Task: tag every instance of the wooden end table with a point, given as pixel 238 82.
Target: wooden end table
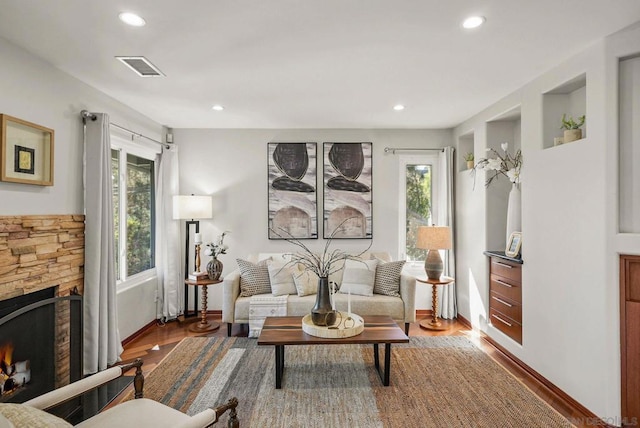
pixel 378 330
pixel 434 323
pixel 204 325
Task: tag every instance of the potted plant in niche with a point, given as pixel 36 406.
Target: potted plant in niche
pixel 469 157
pixel 572 128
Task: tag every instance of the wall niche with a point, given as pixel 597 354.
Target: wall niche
pixel 570 99
pixel 466 144
pixel 504 128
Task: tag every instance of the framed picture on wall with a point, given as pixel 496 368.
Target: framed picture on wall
pixel 293 208
pixel 347 179
pixel 26 152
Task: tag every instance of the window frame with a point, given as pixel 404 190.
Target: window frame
pixel 433 160
pixel 137 148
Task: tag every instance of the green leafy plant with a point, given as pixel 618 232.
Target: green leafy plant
pixel 469 157
pixel 570 123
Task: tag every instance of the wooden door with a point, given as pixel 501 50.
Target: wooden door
pixel 630 335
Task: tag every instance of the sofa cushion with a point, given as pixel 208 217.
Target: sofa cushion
pixel 359 277
pixel 254 278
pixel 281 278
pixel 306 283
pixel 21 416
pixel 387 280
pixel 361 305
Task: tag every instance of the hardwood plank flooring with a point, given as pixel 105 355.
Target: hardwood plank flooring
pixel 156 342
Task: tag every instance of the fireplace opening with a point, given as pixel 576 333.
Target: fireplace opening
pixel 40 344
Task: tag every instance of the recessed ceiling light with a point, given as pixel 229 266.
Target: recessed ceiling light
pixel 473 21
pixel 217 107
pixel 398 107
pixel 132 19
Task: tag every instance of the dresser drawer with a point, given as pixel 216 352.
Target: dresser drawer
pixel 506 287
pixel 506 325
pixel 505 306
pixel 506 269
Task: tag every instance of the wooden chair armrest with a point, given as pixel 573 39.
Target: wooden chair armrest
pixel 211 416
pixel 74 389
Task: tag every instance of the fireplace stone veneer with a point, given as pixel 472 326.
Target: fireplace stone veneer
pixel 41 251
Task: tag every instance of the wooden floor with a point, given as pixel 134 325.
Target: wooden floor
pixel 156 342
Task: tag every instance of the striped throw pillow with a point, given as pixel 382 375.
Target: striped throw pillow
pixel 387 280
pixel 254 278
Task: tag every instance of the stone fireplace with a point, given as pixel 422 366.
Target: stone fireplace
pixel 41 259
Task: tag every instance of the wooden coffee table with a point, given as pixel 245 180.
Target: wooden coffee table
pixel 281 331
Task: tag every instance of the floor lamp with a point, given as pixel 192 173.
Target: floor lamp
pixel 190 208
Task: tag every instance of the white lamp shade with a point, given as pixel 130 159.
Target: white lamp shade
pixel 191 206
pixel 434 238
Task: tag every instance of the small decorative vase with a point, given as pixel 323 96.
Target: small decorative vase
pixel 469 164
pixel 214 269
pixel 514 211
pixel 572 135
pixel 322 314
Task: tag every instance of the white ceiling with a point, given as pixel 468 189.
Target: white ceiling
pixel 311 63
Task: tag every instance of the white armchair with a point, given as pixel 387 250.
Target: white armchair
pixel 140 412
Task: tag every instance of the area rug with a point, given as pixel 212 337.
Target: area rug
pixel 435 382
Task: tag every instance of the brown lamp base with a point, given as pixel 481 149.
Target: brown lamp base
pixel 200 327
pixel 430 325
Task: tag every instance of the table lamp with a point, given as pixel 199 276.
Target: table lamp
pixel 434 238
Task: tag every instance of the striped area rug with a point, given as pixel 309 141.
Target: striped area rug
pixel 435 382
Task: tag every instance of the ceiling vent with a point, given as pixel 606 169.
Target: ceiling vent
pixel 141 66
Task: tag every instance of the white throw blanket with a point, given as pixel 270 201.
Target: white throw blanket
pixel 262 306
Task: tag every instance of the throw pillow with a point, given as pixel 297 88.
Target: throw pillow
pixel 387 280
pixel 358 277
pixel 254 278
pixel 22 416
pixel 281 278
pixel 306 283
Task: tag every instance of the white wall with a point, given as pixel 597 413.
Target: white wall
pixel 37 92
pixel 231 165
pixel 569 222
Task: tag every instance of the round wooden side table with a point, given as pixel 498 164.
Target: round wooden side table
pixel 434 323
pixel 204 325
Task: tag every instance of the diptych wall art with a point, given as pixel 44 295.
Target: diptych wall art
pixel 292 190
pixel 348 190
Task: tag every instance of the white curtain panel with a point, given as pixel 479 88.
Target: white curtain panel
pixel 448 305
pixel 168 256
pixel 102 345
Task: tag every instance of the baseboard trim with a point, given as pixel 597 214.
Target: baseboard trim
pixel 581 413
pixel 138 333
pixel 423 313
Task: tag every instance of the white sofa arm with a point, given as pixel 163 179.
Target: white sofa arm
pixel 408 294
pixel 74 389
pixel 230 293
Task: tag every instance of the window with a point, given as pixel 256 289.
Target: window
pixel 134 208
pixel 417 195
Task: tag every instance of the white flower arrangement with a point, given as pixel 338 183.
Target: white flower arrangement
pixel 506 165
pixel 218 247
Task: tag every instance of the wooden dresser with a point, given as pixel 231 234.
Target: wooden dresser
pixel 505 294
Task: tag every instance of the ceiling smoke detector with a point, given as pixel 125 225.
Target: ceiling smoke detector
pixel 141 66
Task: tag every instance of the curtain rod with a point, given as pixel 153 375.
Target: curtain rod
pixel 88 115
pixel 394 150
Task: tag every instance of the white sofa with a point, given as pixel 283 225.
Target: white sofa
pixel 235 309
